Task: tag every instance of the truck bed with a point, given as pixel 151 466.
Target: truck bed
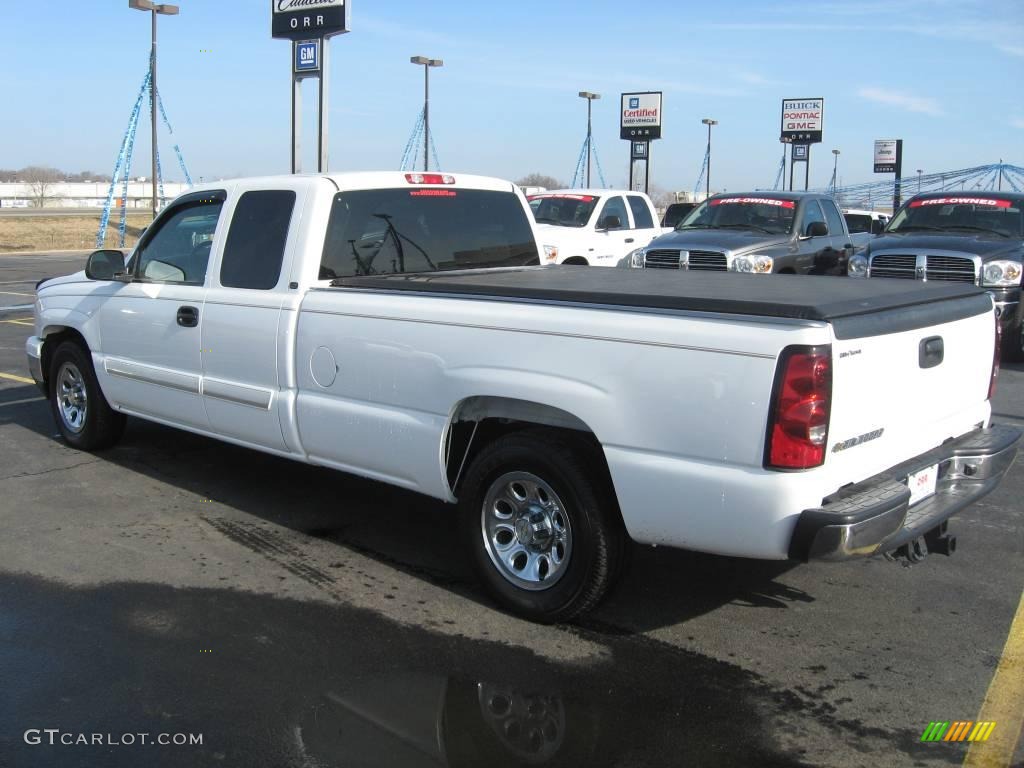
pixel 854 307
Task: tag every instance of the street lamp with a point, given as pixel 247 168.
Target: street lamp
pixel 709 122
pixel 166 10
pixel 919 172
pixel 835 168
pixel 590 100
pixel 426 64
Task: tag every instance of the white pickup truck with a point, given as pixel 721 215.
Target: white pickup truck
pixel 565 413
pixel 593 226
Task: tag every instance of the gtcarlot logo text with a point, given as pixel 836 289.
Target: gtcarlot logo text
pixel 54 736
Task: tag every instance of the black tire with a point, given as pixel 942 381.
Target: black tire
pixel 93 424
pixel 575 472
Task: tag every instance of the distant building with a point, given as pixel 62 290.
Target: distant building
pixel 85 194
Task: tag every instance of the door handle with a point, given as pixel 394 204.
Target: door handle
pixel 188 317
pixel 629 239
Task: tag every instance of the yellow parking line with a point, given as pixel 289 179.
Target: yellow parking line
pixel 12 293
pixel 12 377
pixel 1004 703
pixel 23 321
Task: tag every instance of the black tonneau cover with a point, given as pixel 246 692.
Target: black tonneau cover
pixel 803 297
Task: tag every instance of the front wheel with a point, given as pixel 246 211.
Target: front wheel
pixel 85 419
pixel 541 520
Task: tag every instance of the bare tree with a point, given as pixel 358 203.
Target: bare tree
pixel 540 180
pixel 41 181
pixel 661 197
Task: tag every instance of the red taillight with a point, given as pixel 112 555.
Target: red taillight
pixel 429 178
pixel 801 406
pixel 995 358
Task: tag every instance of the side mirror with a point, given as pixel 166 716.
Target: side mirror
pixel 610 222
pixel 816 229
pixel 104 265
pixel 877 225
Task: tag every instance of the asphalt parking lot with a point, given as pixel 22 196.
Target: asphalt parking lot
pixel 295 616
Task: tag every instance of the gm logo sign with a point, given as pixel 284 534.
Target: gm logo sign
pixel 634 103
pixel 307 56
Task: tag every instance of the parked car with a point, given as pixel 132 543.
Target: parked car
pixel 758 232
pixel 345 321
pixel 863 225
pixel 592 226
pixel 975 238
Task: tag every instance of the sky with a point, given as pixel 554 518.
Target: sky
pixel 943 75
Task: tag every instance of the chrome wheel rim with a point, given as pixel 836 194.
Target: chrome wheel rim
pixel 72 400
pixel 526 531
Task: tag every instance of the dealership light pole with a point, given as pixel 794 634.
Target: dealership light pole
pixel 919 172
pixel 154 9
pixel 426 64
pixel 835 168
pixel 708 122
pixel 590 100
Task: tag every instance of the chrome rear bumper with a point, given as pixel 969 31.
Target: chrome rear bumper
pixel 875 515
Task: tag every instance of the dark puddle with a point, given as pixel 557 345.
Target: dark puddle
pixel 272 682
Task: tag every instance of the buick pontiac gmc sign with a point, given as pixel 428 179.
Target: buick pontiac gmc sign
pixel 307 19
pixel 641 116
pixel 802 120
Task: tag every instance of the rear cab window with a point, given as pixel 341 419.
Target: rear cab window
pixel 426 229
pixel 835 220
pixel 642 218
pixel 256 240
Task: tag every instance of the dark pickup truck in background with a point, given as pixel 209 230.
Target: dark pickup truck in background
pixel 975 237
pixel 759 232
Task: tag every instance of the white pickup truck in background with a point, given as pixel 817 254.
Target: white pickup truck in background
pixel 565 411
pixel 593 226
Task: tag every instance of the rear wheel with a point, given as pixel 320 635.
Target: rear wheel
pixel 542 524
pixel 85 419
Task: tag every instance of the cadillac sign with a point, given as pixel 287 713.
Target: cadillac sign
pixel 308 19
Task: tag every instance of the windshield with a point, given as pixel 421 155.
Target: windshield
pixel 564 210
pixel 383 231
pixel 762 214
pixel 1001 218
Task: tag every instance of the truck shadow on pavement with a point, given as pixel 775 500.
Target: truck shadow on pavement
pixel 404 530
pixel 271 681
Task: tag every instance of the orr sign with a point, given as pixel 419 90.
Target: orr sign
pixel 802 120
pixel 307 19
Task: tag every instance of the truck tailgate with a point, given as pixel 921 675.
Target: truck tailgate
pixel 898 394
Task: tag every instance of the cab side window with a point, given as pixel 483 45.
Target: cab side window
pixel 835 220
pixel 614 207
pixel 642 218
pixel 812 213
pixel 179 249
pixel 254 249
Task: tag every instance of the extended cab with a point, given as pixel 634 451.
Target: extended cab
pixel 759 232
pixel 345 321
pixel 975 238
pixel 592 226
